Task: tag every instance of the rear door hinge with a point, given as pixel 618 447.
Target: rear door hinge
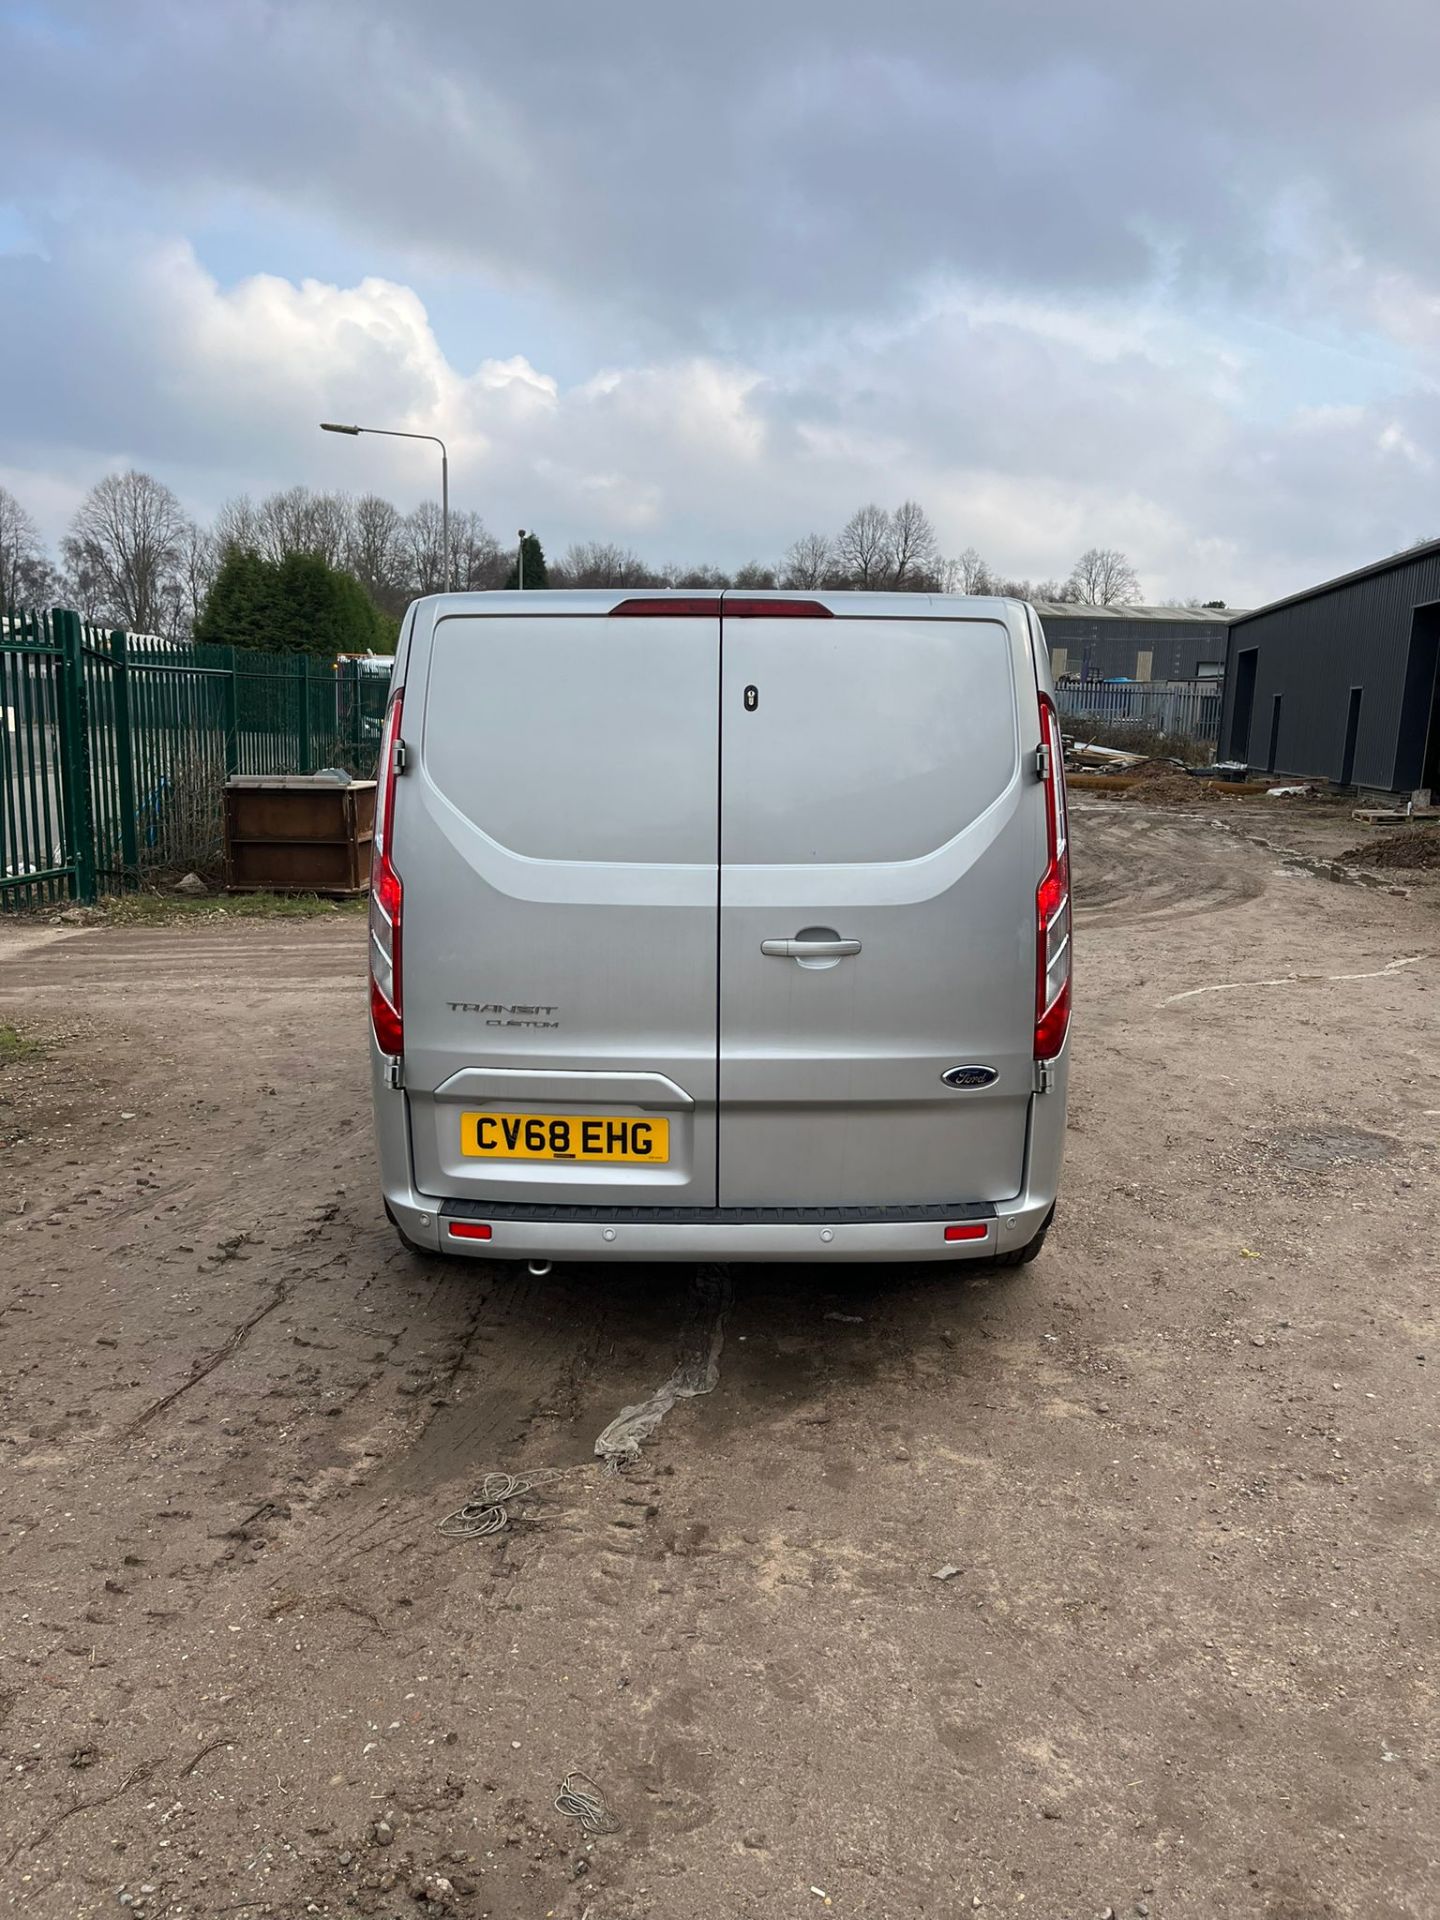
pixel 1044 1076
pixel 401 758
pixel 395 1072
pixel 1042 763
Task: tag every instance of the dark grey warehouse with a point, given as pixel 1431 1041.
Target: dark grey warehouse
pixel 1339 683
pixel 1134 643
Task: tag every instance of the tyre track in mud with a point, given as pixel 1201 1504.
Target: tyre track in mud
pixel 542 1365
pixel 1150 866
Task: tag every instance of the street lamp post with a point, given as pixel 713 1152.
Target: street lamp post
pixel 392 433
pixel 520 563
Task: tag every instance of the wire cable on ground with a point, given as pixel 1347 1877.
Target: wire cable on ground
pixel 487 1511
pixel 580 1799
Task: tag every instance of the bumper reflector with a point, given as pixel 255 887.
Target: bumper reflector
pixel 469 1230
pixel 970 1230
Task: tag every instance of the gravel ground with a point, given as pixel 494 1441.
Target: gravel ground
pixel 1178 1475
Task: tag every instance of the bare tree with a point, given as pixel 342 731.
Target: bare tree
pixel 600 563
pixel 27 578
pixel 914 550
pixel 476 561
pixel 374 555
pixel 237 526
pixel 123 549
pixel 758 578
pixel 968 573
pixel 298 520
pixel 282 523
pixel 702 576
pixel 197 564
pixel 422 547
pixel 1104 577
pixel 332 522
pixel 863 549
pixel 809 562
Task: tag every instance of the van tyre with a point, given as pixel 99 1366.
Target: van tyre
pixel 1022 1256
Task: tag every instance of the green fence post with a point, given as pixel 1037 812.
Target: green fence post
pixel 124 755
pixel 75 754
pixel 230 703
pixel 357 718
pixel 302 667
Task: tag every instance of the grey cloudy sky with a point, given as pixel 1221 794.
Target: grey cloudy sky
pixel 701 278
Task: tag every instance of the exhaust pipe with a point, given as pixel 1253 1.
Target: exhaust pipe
pixel 540 1267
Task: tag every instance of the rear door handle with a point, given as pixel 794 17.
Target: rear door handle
pixel 809 949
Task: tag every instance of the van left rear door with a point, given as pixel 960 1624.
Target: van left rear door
pixel 556 841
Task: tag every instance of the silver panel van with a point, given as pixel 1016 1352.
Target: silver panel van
pixel 721 926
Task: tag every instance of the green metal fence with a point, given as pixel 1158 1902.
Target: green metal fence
pixel 114 749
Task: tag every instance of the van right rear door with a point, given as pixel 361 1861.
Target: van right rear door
pixel 882 831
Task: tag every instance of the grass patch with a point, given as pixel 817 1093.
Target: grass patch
pixel 14 1045
pixel 178 909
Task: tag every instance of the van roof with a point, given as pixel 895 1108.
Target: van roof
pixel 602 599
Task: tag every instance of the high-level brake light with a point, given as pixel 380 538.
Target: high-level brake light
pixel 682 607
pixel 691 606
pixel 742 609
pixel 1052 900
pixel 386 900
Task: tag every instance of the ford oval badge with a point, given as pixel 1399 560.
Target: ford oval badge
pixel 968 1078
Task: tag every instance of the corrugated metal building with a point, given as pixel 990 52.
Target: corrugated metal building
pixel 1339 683
pixel 1134 643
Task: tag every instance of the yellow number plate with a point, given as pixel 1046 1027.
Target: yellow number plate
pixel 568 1136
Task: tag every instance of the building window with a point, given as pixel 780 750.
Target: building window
pixel 1209 669
pixel 1059 656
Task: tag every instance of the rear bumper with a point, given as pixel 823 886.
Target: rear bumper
pixel 846 1234
pixel 558 1239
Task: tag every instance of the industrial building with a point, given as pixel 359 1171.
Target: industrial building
pixel 1339 683
pixel 1134 643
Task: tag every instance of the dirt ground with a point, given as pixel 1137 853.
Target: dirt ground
pixel 1183 1467
pixel 1318 831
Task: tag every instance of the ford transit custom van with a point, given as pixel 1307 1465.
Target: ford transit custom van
pixel 720 927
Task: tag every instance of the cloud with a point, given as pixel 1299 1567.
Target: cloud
pixel 1161 278
pixel 706 170
pixel 1024 433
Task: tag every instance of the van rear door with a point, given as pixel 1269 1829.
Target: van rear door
pixel 881 836
pixel 555 834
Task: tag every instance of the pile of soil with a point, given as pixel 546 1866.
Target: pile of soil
pixel 1398 847
pixel 1154 770
pixel 1169 788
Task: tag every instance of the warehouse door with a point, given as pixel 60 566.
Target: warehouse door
pixel 1352 735
pixel 1244 708
pixel 1430 777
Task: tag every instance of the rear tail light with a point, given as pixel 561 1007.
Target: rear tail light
pixel 469 1230
pixel 386 900
pixel 969 1230
pixel 1052 899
